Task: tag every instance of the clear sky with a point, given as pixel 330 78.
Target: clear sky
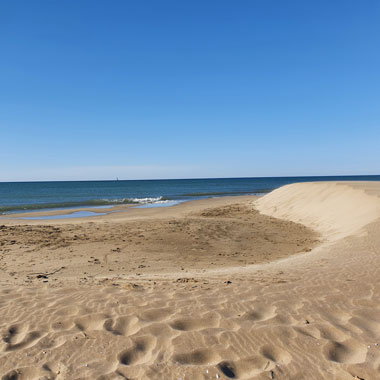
pixel 96 89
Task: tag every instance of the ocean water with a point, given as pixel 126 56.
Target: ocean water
pixel 28 196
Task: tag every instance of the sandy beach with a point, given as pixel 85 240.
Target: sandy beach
pixel 282 286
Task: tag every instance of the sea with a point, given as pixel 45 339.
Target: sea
pixel 33 196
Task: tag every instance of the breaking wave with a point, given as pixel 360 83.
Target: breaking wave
pixel 88 203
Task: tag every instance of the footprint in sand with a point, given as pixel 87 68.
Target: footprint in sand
pixel 228 369
pixel 275 354
pixel 62 325
pixel 91 322
pixel 261 313
pixel 140 352
pixel 18 337
pixel 244 368
pixel 13 375
pixel 197 357
pixel 26 373
pixel 122 325
pixel 191 324
pixel 156 315
pixel 349 351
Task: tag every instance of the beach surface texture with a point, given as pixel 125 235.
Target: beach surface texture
pixel 283 286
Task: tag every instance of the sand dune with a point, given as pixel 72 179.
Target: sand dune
pixel 334 209
pixel 301 314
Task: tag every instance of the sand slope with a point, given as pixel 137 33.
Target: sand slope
pixel 334 209
pixel 314 315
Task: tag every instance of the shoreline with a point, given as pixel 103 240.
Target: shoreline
pixel 19 214
pixel 190 237
pixel 121 208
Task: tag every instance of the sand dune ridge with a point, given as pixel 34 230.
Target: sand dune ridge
pixel 335 209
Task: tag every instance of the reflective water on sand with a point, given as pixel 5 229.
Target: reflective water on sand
pixel 76 214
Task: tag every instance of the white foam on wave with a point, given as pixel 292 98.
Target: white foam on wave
pixel 160 204
pixel 148 200
pixel 134 200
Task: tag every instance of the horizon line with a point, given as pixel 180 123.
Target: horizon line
pixel 196 178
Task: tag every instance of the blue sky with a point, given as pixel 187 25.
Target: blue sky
pixel 179 89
